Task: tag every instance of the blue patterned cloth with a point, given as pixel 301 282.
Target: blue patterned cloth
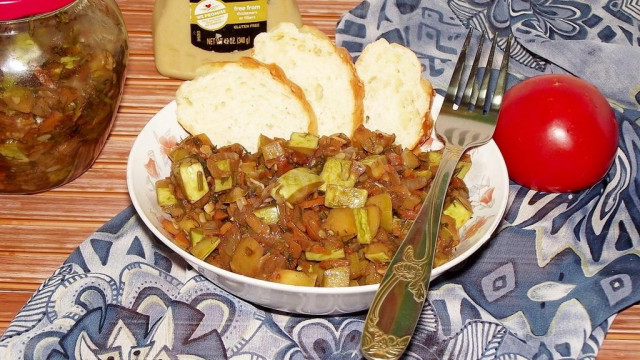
pixel 547 286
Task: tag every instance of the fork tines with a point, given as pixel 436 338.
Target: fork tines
pixel 473 93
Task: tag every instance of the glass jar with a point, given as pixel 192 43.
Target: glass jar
pixel 62 71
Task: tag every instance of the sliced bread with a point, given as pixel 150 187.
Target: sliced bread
pixel 325 73
pixel 235 102
pixel 397 99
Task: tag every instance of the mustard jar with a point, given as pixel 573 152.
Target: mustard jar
pixel 189 33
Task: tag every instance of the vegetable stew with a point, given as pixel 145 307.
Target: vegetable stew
pixel 311 211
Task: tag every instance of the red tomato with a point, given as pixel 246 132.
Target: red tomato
pixel 557 133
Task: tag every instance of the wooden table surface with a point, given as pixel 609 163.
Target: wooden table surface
pixel 38 232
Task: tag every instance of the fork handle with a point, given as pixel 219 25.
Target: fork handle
pixel 398 303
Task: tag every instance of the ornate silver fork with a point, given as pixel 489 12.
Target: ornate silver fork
pixel 464 122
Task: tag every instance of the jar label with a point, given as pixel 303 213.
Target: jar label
pixel 226 26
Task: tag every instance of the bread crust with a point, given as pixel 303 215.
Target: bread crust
pixel 427 125
pixel 357 86
pixel 315 32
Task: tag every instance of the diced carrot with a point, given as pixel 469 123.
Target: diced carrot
pixel 408 214
pixel 170 227
pixel 181 240
pixel 312 202
pixel 50 122
pixel 219 215
pixel 332 263
pixel 299 236
pixel 225 227
pixel 296 249
pixel 317 248
pixel 283 165
pixel 299 158
pixel 312 234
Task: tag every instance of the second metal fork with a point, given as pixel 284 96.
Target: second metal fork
pixel 465 121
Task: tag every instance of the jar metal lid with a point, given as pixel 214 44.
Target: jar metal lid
pixel 16 9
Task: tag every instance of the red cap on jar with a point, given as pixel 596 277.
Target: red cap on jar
pixel 16 9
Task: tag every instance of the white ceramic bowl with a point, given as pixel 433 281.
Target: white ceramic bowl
pixel 487 181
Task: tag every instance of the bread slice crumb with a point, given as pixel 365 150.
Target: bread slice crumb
pixel 397 99
pixel 325 73
pixel 236 102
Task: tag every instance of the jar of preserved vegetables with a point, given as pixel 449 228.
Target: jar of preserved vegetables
pixel 62 70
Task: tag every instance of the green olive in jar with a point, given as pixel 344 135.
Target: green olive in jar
pixel 62 70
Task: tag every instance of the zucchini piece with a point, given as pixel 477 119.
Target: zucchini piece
pixel 263 140
pixel 270 215
pixel 294 185
pixel 336 277
pixel 375 165
pixel 457 211
pixel 341 222
pixel 355 269
pixel 245 259
pixel 316 270
pixel 222 184
pixel 337 171
pixel 337 196
pixel 362 225
pixel 196 235
pixel 222 175
pixel 187 223
pixel 462 168
pixel 434 158
pixel 192 179
pixel 19 98
pixel 409 159
pixel 164 194
pixel 303 142
pixel 204 247
pixel 293 277
pixel 383 202
pixel 11 151
pixel 378 252
pixel 178 154
pixel 424 173
pixel 272 150
pixel 316 256
pixel 367 223
pixel 220 168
